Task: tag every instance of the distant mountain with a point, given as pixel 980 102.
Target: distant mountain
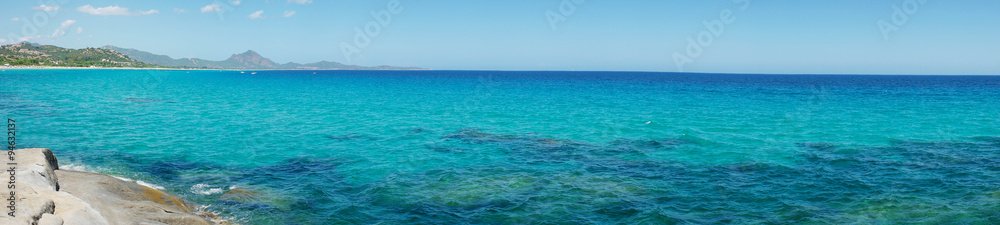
pixel 32 54
pixel 154 58
pixel 251 59
pixel 247 60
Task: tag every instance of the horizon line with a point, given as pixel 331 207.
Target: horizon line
pixel 498 70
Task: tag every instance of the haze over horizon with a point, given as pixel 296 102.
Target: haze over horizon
pixel 728 36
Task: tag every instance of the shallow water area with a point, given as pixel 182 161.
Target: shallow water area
pixel 445 147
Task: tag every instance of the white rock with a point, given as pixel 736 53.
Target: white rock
pixel 36 167
pixel 50 219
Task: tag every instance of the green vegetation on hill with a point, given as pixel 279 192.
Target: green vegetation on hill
pixel 26 54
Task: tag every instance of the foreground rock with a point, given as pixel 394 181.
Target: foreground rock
pixel 46 195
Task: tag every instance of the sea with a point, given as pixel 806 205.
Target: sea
pixel 504 147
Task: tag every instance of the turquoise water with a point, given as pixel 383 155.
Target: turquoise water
pixel 447 147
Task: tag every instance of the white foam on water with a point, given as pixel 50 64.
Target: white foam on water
pixel 205 189
pixel 153 186
pixel 205 212
pixel 86 168
pixel 143 183
pixel 81 168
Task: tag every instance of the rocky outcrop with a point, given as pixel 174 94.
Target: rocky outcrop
pixel 124 202
pixel 45 195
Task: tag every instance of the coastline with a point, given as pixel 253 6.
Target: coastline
pixel 44 194
pixel 163 68
pixel 92 68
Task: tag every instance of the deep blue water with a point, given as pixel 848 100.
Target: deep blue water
pixel 453 147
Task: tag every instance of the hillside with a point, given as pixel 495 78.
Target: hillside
pixel 246 60
pixel 155 59
pixel 28 54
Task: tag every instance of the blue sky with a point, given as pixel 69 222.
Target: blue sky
pixel 934 36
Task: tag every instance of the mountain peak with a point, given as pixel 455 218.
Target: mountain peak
pixel 250 59
pixel 249 52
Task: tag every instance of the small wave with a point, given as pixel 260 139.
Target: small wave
pixel 81 168
pixel 143 183
pixel 157 187
pixel 86 168
pixel 206 212
pixel 205 189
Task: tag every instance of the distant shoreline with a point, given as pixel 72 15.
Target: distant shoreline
pixel 161 68
pixel 88 68
pixel 424 69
